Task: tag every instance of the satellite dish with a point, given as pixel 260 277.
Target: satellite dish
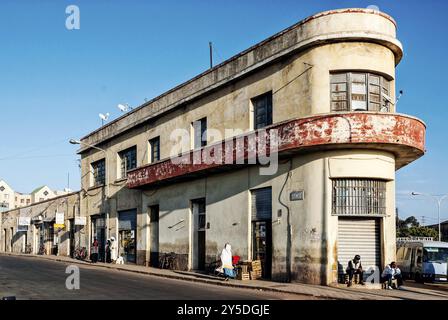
pixel 104 117
pixel 124 107
pixel 373 7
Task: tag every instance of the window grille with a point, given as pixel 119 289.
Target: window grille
pixel 359 197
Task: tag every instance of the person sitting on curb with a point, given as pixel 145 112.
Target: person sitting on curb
pixel 355 267
pixel 390 273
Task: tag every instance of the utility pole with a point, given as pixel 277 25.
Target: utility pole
pixel 438 199
pixel 211 54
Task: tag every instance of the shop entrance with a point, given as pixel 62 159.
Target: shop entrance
pixel 98 232
pixel 127 224
pixel 262 229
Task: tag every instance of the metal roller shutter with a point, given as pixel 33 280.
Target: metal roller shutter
pixel 262 204
pixel 359 236
pixel 127 220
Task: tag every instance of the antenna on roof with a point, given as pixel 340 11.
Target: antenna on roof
pixel 103 117
pixel 373 7
pixel 210 46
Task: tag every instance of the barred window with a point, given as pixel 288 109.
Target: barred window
pixel 128 160
pixel 99 172
pixel 357 91
pixel 359 197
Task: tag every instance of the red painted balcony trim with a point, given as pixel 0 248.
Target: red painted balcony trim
pixel 400 134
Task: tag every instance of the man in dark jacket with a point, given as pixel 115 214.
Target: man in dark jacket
pixel 355 267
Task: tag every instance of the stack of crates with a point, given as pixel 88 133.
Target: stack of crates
pixel 243 272
pixel 255 270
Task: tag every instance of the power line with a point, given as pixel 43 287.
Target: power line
pixel 38 156
pixel 38 148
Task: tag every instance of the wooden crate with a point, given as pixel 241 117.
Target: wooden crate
pixel 243 276
pixel 256 265
pixel 254 275
pixel 244 268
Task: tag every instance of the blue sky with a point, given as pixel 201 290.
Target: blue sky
pixel 54 82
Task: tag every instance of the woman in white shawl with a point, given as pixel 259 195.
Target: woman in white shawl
pixel 226 262
pixel 113 249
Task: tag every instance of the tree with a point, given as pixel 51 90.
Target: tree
pixel 423 232
pixel 410 227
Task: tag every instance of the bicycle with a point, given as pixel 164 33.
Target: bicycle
pixel 80 253
pixel 42 250
pixel 28 249
pixel 168 261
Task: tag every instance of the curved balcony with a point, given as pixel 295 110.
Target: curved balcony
pixel 402 135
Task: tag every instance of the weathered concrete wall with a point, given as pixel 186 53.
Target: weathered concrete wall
pixel 67 204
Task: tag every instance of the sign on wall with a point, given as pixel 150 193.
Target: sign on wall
pixel 59 223
pixel 296 195
pixel 24 221
pixel 59 217
pixel 80 221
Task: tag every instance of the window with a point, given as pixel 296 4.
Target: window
pixel 6 196
pixel 262 110
pixel 199 133
pixel 128 160
pixel 356 91
pixel 99 172
pixel 154 152
pixel 2 188
pixel 359 197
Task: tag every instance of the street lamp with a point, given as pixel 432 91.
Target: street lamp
pixel 439 199
pixel 73 141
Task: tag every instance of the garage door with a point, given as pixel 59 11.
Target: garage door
pixel 359 236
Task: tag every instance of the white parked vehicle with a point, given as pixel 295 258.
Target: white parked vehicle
pixel 422 259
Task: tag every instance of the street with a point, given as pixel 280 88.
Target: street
pixel 28 278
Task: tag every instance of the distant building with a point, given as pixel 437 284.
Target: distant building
pixel 10 199
pixel 6 197
pixel 443 229
pixel 22 199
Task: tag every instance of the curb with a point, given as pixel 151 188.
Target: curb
pixel 176 277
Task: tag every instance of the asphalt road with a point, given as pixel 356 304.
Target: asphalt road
pixel 30 278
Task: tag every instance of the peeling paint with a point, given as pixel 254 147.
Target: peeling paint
pixel 402 135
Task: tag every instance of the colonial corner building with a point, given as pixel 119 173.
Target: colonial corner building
pixel 326 87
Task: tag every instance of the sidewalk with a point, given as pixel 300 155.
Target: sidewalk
pixel 313 291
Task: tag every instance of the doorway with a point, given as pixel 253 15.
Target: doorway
pixel 4 240
pixel 98 232
pixel 127 233
pixel 198 236
pixel 154 236
pixel 71 236
pixel 262 229
pixel 11 239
